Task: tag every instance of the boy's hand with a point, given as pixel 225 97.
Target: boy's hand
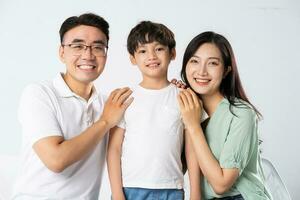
pixel 115 106
pixel 178 83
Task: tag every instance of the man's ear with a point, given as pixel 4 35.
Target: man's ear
pixel 132 59
pixel 227 71
pixel 61 53
pixel 173 54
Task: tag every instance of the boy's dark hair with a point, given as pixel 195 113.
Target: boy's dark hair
pixel 88 19
pixel 147 32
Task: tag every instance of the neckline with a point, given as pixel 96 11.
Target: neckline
pixel 154 91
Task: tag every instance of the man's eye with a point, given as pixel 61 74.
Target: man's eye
pixel 77 46
pixel 98 48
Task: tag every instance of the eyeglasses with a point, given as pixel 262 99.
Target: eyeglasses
pixel 98 50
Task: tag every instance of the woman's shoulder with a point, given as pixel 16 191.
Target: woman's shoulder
pixel 241 108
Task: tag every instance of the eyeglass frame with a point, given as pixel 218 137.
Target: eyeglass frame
pixel 86 47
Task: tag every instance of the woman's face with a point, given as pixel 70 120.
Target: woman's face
pixel 205 70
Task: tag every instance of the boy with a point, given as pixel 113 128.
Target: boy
pixel 144 153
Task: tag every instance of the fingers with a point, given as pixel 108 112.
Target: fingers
pixel 180 102
pixel 124 97
pixel 113 94
pixel 174 81
pixel 116 94
pixel 187 98
pixel 184 99
pixel 127 103
pixel 178 83
pixel 194 97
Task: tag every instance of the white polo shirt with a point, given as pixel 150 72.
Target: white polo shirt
pixel 52 109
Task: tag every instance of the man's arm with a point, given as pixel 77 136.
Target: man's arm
pixel 57 153
pixel 116 137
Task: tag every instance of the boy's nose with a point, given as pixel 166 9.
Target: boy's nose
pixel 152 55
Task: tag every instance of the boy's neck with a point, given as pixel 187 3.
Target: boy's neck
pixel 154 84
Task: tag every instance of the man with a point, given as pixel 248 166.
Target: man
pixel 65 121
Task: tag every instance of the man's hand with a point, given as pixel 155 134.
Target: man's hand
pixel 115 106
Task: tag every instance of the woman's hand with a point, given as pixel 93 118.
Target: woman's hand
pixel 178 83
pixel 190 108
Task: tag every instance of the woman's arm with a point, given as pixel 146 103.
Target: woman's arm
pixel 193 169
pixel 116 137
pixel 220 179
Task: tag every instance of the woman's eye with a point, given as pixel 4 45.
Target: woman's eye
pixel 213 63
pixel 193 61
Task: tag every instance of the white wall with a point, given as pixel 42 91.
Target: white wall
pixel 264 34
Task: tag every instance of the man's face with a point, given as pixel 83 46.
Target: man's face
pixel 84 64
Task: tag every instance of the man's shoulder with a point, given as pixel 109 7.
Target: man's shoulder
pixel 39 88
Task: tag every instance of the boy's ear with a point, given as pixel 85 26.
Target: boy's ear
pixel 173 54
pixel 132 59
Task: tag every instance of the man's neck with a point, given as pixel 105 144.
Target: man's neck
pixel 154 84
pixel 83 90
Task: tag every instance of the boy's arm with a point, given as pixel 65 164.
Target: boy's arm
pixel 57 153
pixel 193 169
pixel 114 151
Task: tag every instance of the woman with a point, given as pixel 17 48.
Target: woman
pixel 226 143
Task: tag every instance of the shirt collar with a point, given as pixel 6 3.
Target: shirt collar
pixel 64 91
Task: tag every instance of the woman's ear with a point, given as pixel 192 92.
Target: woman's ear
pixel 227 71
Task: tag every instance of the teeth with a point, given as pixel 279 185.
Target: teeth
pixel 153 65
pixel 201 80
pixel 86 67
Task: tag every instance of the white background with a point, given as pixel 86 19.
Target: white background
pixel 265 35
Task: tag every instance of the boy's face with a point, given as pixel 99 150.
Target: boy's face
pixel 153 59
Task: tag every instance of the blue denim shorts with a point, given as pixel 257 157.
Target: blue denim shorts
pixel 153 194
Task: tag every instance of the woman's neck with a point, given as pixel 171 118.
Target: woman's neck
pixel 211 102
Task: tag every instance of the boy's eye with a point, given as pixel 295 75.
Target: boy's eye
pixel 141 51
pixel 160 49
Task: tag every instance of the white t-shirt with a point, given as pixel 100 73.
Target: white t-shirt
pixel 52 109
pixel 153 140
